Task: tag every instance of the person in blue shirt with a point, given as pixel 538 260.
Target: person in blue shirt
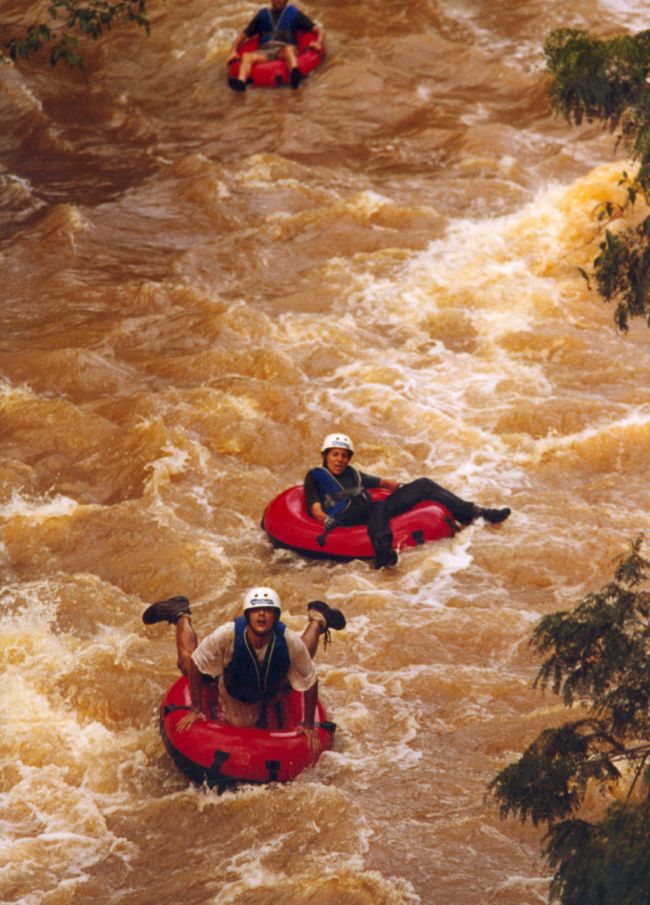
pixel 277 28
pixel 336 494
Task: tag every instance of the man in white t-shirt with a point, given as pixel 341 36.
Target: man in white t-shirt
pixel 254 657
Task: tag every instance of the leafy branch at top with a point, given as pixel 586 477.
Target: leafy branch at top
pixel 608 81
pixel 91 20
pixel 597 657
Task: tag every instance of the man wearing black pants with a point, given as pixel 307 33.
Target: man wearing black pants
pixel 336 494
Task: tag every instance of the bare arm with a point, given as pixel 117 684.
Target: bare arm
pixel 388 484
pixel 320 36
pixel 318 512
pixel 308 728
pixel 234 51
pixel 195 682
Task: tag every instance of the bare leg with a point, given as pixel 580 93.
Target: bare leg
pixel 313 630
pixel 247 62
pixel 186 642
pixel 288 54
pixel 322 618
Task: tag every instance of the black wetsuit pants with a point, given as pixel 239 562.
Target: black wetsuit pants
pixel 377 514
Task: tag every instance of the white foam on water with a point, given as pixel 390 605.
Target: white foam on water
pixel 453 557
pixel 417 394
pixel 38 510
pixel 632 13
pixel 17 90
pixel 637 417
pixel 535 886
pixel 54 825
pixel 9 391
pixel 173 462
pixel 494 265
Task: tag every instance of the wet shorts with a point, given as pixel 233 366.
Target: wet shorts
pixel 272 49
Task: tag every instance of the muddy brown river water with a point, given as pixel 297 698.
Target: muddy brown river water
pixel 197 286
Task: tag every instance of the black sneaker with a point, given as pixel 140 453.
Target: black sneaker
pixel 166 610
pixel 471 516
pixel 387 559
pixel 335 618
pixel 494 516
pixel 295 78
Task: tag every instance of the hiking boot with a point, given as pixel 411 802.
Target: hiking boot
pixel 334 618
pixel 494 516
pixel 166 611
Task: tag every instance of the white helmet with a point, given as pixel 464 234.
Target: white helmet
pixel 259 597
pixel 340 441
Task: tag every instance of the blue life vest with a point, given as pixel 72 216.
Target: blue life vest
pixel 245 677
pixel 327 486
pixel 284 29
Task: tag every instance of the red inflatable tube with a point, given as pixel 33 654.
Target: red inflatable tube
pixel 274 73
pixel 221 755
pixel 287 524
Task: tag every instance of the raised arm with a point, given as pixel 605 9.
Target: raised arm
pixel 234 51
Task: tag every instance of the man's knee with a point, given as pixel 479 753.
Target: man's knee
pixel 379 526
pixel 378 515
pixel 423 486
pixel 288 55
pixel 252 57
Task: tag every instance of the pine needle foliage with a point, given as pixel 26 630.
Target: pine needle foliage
pixel 608 81
pixel 69 18
pixel 597 657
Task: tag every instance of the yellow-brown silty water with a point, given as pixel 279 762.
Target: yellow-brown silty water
pixel 196 287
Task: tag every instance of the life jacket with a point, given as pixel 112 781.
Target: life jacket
pixel 284 29
pixel 328 488
pixel 245 677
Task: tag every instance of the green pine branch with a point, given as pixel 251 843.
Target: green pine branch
pixel 597 657
pixel 608 81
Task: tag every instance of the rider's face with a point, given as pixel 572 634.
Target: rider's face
pixel 261 619
pixel 336 460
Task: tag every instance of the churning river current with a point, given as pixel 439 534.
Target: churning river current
pixel 196 287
